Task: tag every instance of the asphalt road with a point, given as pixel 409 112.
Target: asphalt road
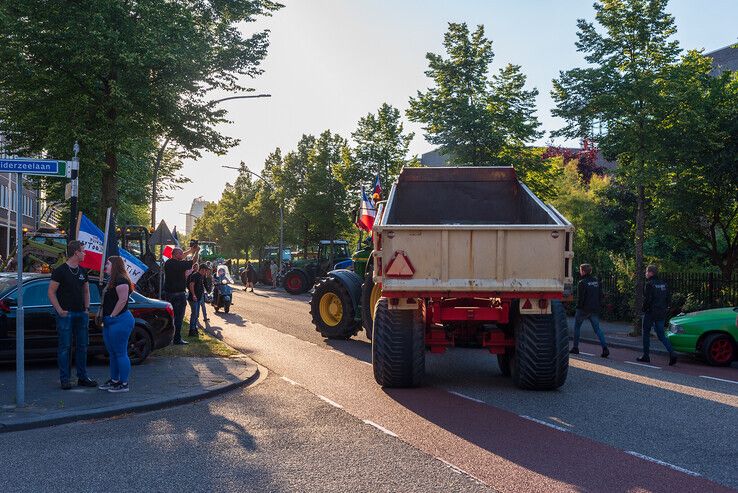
pixel 272 437
pixel 614 426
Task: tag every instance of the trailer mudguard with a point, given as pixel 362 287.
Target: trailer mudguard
pixel 352 282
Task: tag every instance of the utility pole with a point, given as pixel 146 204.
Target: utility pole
pixel 71 232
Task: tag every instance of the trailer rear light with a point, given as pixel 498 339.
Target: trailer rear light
pixel 527 305
pixel 543 304
pixel 170 310
pixel 4 307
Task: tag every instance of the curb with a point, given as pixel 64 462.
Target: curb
pixel 132 408
pixel 622 345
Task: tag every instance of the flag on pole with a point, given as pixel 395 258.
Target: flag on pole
pixel 377 191
pixel 367 212
pixel 94 239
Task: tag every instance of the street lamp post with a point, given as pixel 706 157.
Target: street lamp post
pixel 160 152
pixel 281 211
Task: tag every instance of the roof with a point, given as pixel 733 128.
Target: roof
pixel 724 59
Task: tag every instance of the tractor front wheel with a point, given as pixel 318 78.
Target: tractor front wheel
pixel 296 282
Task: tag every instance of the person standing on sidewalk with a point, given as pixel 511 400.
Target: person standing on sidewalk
pixel 118 324
pixel 175 285
pixel 69 293
pixel 250 276
pixel 208 284
pixel 274 270
pixel 196 288
pixel 589 301
pixel 656 301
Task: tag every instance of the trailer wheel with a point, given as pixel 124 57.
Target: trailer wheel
pixel 332 310
pixel 541 357
pixel 398 347
pixel 296 282
pixel 370 294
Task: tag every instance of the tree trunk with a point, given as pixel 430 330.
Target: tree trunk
pixel 110 184
pixel 639 273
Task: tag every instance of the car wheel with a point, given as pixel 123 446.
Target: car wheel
pixel 719 350
pixel 139 345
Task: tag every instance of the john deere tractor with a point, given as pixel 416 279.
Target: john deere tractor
pixel 303 274
pixel 343 301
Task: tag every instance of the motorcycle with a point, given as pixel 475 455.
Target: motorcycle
pixel 222 295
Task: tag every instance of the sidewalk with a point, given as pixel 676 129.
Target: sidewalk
pixel 161 381
pixel 616 334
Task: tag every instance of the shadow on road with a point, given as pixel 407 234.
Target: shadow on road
pixel 358 349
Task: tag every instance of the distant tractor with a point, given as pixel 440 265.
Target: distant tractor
pixel 304 273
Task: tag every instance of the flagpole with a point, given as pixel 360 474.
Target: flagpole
pixel 105 246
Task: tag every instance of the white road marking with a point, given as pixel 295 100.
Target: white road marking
pixel 291 382
pixel 289 335
pixel 366 362
pixel 719 379
pixel 380 428
pixel 544 423
pixel 672 466
pixel 337 352
pixel 465 396
pixel 332 403
pixel 459 470
pixel 585 354
pixel 642 364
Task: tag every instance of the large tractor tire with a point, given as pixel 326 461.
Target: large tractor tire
pixel 296 282
pixel 370 294
pixel 541 357
pixel 332 310
pixel 398 347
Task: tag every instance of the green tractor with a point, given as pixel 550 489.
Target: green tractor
pixel 303 274
pixel 343 301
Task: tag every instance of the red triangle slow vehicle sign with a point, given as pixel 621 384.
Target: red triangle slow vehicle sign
pixel 399 266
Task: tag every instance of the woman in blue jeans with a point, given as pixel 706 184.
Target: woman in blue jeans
pixel 117 324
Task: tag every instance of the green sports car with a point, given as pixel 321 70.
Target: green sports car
pixel 711 333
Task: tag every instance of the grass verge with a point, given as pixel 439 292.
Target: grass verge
pixel 205 346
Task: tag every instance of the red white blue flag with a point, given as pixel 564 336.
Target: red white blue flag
pixel 367 212
pixel 93 239
pixel 377 188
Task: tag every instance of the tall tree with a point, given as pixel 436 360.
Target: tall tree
pixel 620 92
pixel 476 119
pixel 381 145
pixel 111 73
pixel 697 201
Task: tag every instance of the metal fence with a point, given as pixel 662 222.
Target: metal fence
pixel 690 291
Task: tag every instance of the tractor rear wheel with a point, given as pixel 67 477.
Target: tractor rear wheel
pixel 332 310
pixel 296 282
pixel 370 294
pixel 541 357
pixel 398 347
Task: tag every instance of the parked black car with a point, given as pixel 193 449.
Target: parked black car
pixel 153 330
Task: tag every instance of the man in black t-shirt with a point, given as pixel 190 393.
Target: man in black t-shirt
pixel 175 285
pixel 196 288
pixel 69 293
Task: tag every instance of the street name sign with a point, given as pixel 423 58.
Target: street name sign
pixel 39 167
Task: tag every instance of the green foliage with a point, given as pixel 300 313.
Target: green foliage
pixel 117 76
pixel 476 119
pixel 381 146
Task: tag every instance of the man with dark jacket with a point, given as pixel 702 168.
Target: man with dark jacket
pixel 589 300
pixel 656 301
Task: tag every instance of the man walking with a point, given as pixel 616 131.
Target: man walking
pixel 589 300
pixel 656 301
pixel 175 285
pixel 69 293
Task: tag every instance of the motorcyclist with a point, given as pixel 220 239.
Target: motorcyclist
pixel 220 276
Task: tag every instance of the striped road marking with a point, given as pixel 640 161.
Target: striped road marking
pixel 380 428
pixel 642 364
pixel 672 466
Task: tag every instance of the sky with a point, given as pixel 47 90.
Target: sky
pixel 331 62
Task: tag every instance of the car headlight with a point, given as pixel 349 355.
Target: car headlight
pixel 676 329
